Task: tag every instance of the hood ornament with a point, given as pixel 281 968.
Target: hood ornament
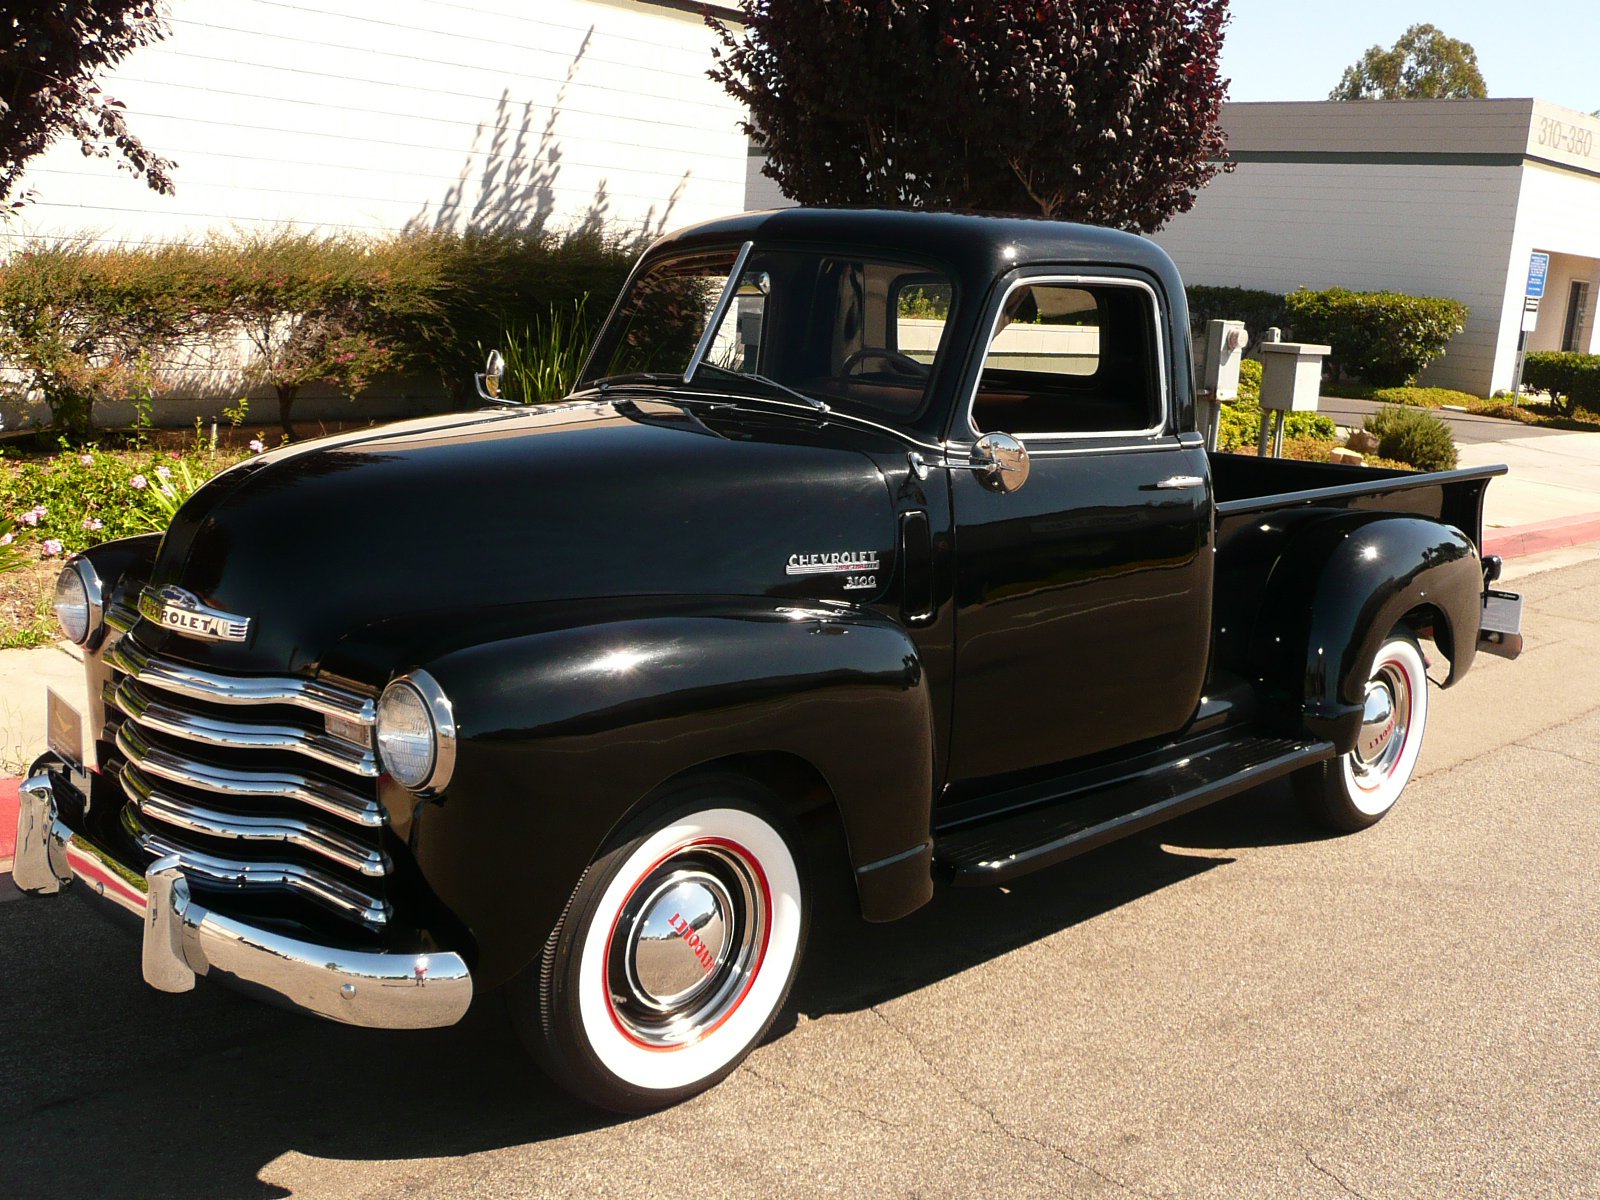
pixel 181 611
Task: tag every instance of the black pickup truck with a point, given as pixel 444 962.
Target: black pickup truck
pixel 895 523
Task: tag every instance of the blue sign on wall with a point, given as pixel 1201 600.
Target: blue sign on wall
pixel 1538 268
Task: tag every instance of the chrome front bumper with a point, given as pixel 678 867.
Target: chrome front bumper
pixel 183 940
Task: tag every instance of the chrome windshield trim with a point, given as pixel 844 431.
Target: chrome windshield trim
pixel 192 818
pixel 129 656
pixel 210 731
pixel 255 785
pixel 720 311
pixel 307 881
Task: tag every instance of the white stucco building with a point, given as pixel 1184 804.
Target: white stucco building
pixel 1431 197
pixel 350 115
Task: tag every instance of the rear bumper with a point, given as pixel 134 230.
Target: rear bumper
pixel 184 940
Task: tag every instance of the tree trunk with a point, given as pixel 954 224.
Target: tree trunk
pixel 286 394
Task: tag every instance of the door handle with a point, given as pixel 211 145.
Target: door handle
pixel 1176 482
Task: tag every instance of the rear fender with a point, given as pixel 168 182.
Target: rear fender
pixel 563 733
pixel 1338 590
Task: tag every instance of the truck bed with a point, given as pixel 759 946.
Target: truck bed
pixel 1261 503
pixel 1247 486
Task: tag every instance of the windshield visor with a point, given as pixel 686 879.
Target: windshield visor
pixel 855 332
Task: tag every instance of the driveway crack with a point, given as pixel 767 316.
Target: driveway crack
pixel 1000 1126
pixel 1318 1167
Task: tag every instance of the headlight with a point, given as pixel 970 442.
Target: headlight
pixel 77 602
pixel 416 733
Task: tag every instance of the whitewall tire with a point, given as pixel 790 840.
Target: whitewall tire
pixel 1356 789
pixel 675 954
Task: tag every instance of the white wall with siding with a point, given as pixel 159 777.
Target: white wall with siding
pixel 1425 230
pixel 349 115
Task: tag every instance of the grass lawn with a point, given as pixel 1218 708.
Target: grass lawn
pixel 1537 410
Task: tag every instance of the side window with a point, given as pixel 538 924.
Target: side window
pixel 1071 358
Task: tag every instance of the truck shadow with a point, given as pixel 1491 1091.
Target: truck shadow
pixel 115 1089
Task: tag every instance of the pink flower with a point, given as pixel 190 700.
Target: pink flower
pixel 52 547
pixel 6 539
pixel 139 483
pixel 93 524
pixel 256 446
pixel 86 459
pixel 163 472
pixel 34 515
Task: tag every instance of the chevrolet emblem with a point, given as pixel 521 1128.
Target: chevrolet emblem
pixel 181 611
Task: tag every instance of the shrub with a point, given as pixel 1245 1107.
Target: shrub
pixel 85 495
pixel 1573 380
pixel 1240 427
pixel 1414 436
pixel 77 323
pixel 1385 338
pixel 1250 380
pixel 1258 310
pixel 80 325
pixel 543 359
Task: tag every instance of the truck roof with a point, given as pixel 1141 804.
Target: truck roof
pixel 977 247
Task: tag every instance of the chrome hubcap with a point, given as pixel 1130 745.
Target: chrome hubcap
pixel 686 944
pixel 1384 722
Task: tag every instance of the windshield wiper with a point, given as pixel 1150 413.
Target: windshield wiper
pixel 810 402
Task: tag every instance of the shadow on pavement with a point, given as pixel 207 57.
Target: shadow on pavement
pixel 114 1089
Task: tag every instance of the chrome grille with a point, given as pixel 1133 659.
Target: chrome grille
pixel 240 777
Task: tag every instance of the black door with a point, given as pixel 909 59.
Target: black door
pixel 1083 601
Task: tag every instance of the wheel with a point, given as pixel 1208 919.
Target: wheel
pixel 1355 790
pixel 900 364
pixel 676 951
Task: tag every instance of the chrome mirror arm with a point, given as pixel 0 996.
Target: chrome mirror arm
pixel 999 460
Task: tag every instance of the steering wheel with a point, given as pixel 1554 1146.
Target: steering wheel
pixel 902 364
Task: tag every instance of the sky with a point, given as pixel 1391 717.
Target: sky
pixel 1549 49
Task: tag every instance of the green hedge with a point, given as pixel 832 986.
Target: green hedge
pixel 1385 338
pixel 1258 310
pixel 1573 380
pixel 83 324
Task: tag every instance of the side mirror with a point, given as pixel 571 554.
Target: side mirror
pixel 489 382
pixel 1001 462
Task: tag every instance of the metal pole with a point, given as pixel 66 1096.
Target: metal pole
pixel 1516 381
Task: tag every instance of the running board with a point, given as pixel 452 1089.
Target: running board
pixel 999 850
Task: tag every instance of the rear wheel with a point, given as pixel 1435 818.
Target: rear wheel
pixel 676 952
pixel 1355 790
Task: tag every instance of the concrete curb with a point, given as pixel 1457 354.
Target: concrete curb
pixel 1518 541
pixel 9 802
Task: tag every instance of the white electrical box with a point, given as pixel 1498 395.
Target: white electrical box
pixel 1219 371
pixel 1291 376
pixel 1218 374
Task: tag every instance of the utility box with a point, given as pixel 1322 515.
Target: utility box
pixel 1291 376
pixel 1219 373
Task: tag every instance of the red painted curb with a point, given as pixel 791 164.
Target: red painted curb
pixel 1519 540
pixel 10 791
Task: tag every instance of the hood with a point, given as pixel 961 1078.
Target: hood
pixel 458 516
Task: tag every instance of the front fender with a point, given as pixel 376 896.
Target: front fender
pixel 1339 589
pixel 563 731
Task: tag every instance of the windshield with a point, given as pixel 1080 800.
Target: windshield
pixel 854 332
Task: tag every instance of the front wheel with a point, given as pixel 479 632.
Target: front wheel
pixel 675 954
pixel 1355 790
